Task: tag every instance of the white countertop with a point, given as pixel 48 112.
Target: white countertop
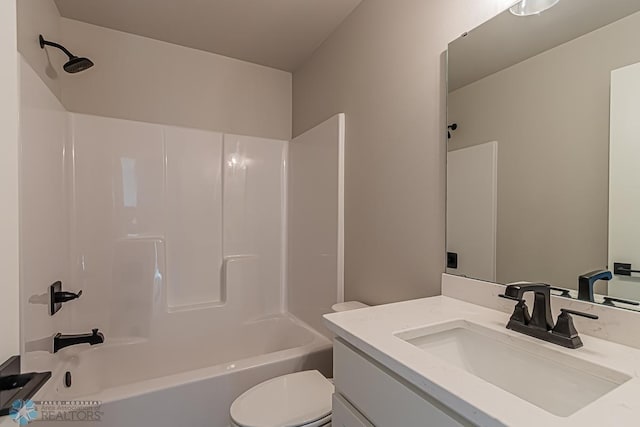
pixel 372 330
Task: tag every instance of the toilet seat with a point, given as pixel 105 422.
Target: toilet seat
pixel 302 399
pixel 324 422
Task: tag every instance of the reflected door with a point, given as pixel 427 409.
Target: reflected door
pixel 624 190
pixel 472 196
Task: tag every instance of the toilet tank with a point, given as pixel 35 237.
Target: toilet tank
pixel 347 306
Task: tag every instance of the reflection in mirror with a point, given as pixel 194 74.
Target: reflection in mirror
pixel 543 168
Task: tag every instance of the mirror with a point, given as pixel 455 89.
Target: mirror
pixel 543 157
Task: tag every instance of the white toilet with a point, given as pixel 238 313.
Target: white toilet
pixel 302 399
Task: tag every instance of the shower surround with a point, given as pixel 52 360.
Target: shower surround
pixel 178 238
pixel 174 229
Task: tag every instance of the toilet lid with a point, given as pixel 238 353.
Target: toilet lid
pixel 289 401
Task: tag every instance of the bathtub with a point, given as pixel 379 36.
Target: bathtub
pixel 141 383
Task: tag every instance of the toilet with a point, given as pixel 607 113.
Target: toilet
pixel 302 399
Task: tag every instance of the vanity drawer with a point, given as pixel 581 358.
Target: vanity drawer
pixel 381 397
pixel 345 415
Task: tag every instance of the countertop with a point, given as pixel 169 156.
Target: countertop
pixel 372 330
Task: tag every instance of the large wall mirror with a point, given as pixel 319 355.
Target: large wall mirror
pixel 544 149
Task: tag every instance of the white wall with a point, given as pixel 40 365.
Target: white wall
pixel 315 220
pixel 44 209
pixel 173 229
pixel 103 220
pixel 41 17
pixel 141 79
pixel 472 207
pixel 384 68
pixel 624 199
pixel 101 200
pixel 9 339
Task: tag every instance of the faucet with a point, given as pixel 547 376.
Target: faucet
pixel 540 323
pixel 61 341
pixel 587 281
pixel 541 317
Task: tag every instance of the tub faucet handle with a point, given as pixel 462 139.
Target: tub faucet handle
pixel 65 296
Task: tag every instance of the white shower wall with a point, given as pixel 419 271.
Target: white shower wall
pixel 44 209
pixel 174 228
pixel 315 265
pixel 175 236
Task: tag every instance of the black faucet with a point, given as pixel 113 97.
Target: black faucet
pixel 587 281
pixel 541 317
pixel 61 341
pixel 540 324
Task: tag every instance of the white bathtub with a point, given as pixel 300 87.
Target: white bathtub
pixel 156 385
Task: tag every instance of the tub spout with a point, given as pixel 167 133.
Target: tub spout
pixel 61 341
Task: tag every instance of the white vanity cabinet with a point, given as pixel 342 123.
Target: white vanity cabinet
pixel 369 395
pixel 345 415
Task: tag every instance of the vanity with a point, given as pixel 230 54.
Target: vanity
pixel 542 199
pixel 446 362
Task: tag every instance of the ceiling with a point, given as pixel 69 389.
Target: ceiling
pixel 508 39
pixel 277 33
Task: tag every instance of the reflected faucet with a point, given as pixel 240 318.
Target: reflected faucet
pixel 61 341
pixel 587 281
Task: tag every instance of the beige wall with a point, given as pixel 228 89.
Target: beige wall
pixel 553 168
pixel 41 17
pixel 383 67
pixel 147 80
pixel 9 337
pixel 161 82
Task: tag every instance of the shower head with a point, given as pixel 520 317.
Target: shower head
pixel 75 63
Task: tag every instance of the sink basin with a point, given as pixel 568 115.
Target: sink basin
pixel 551 380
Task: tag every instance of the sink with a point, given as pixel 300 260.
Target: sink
pixel 554 381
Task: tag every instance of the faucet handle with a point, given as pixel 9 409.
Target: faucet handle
pixel 64 296
pixel 579 313
pixel 611 300
pixel 566 330
pixel 510 297
pixel 520 311
pixel 564 293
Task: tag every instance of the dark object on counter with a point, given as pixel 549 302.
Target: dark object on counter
pixel 16 386
pixel 540 324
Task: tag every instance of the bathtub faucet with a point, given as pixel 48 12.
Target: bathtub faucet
pixel 61 341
